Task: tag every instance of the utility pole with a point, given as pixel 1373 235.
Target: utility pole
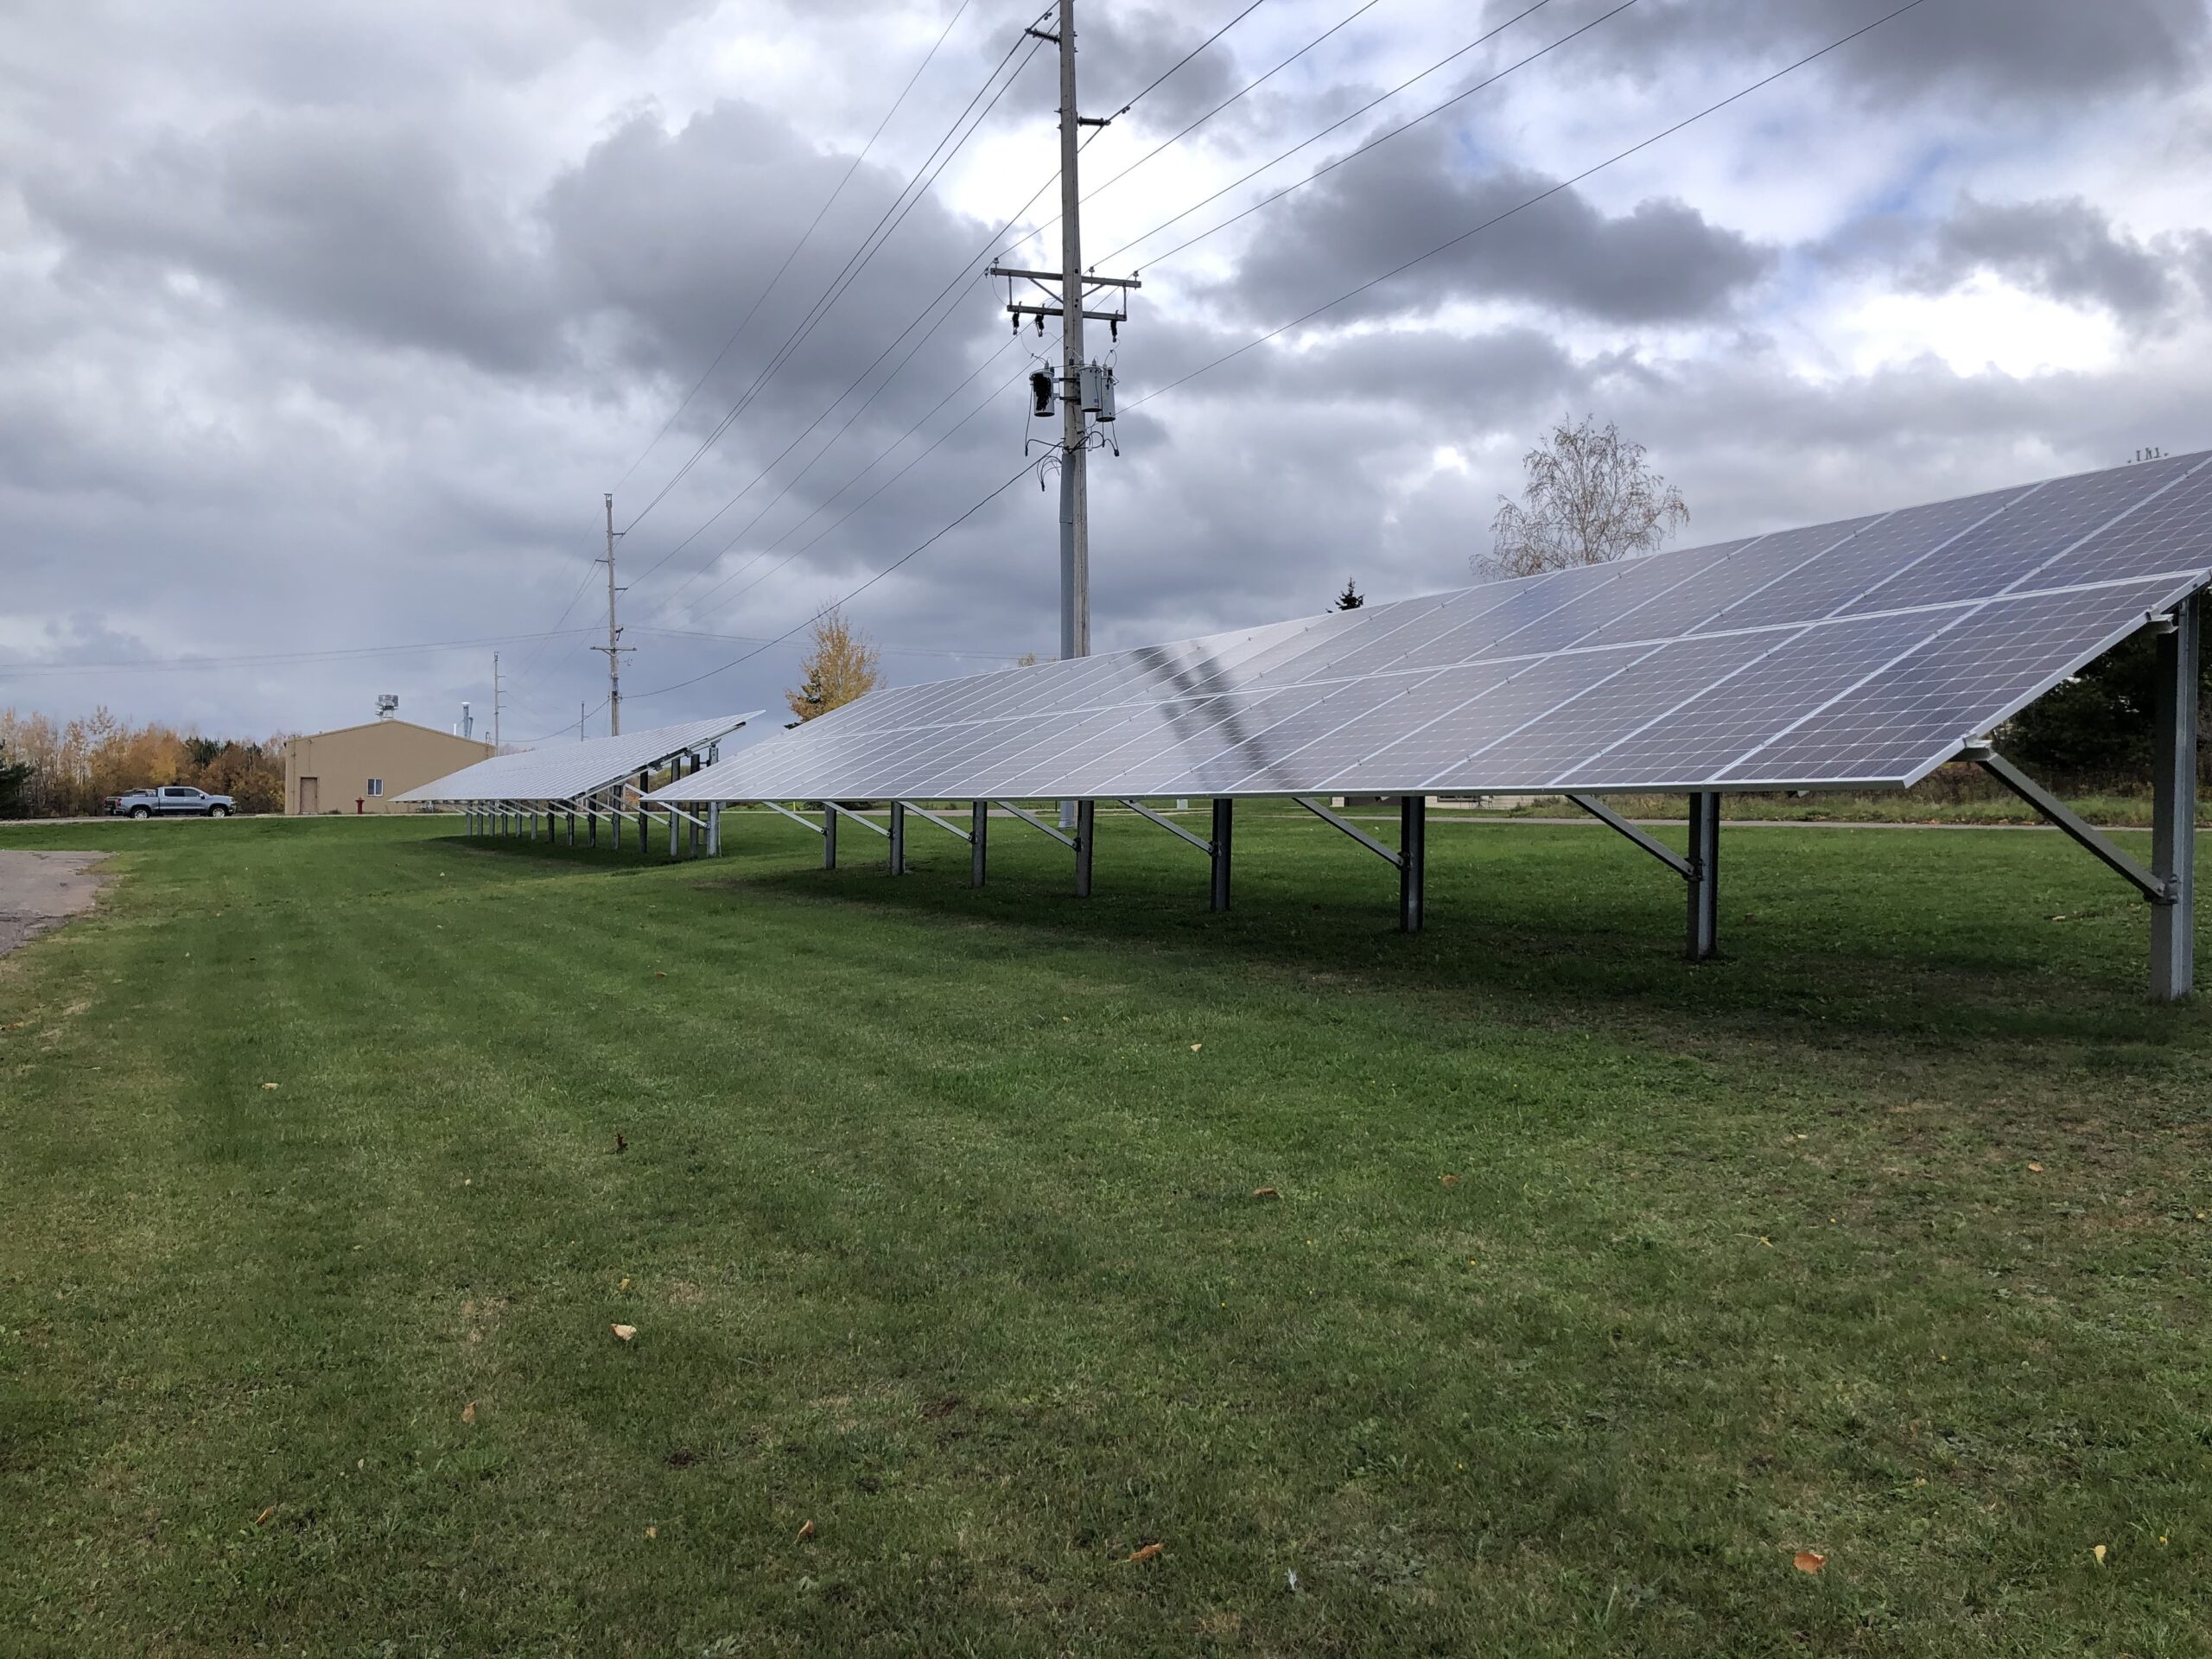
pixel 581 718
pixel 1085 388
pixel 613 647
pixel 495 703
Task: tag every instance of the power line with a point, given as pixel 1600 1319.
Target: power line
pixel 914 552
pixel 1457 97
pixel 668 605
pixel 871 244
pixel 883 645
pixel 1174 68
pixel 805 237
pixel 1542 195
pixel 809 544
pixel 1248 87
pixel 993 241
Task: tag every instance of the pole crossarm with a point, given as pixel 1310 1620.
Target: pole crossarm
pixel 944 823
pixel 1036 822
pixel 800 819
pixel 857 817
pixel 2154 889
pixel 1389 856
pixel 1017 309
pixel 1088 281
pixel 1171 826
pixel 1658 850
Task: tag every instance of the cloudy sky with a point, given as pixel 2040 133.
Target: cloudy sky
pixel 326 326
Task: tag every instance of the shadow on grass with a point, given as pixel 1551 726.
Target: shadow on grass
pixel 1942 946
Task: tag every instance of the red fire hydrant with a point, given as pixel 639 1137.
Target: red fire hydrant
pixel 360 806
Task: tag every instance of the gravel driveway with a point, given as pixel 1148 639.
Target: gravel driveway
pixel 40 891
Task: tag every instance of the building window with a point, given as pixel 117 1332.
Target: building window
pixel 376 786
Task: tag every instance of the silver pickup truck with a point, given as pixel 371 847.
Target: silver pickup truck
pixel 169 801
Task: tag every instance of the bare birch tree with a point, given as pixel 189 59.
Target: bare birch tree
pixel 1590 499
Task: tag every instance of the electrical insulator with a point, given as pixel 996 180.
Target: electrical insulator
pixel 1040 395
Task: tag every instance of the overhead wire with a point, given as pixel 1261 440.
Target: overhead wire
pixel 983 251
pixel 668 605
pixel 938 442
pixel 805 236
pixel 1249 87
pixel 1459 97
pixel 886 226
pixel 1617 156
pixel 1529 202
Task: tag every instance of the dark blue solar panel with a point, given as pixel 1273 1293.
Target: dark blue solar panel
pixel 2171 531
pixel 1722 725
pixel 1966 679
pixel 1993 555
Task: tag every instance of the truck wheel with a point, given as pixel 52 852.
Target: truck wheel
pixel 219 811
pixel 142 811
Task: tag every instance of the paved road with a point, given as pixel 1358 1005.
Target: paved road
pixel 40 891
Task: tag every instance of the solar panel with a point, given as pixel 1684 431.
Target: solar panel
pixel 1866 650
pixel 566 771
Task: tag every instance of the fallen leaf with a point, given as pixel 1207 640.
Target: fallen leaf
pixel 2037 1168
pixel 620 1144
pixel 1265 1192
pixel 1449 1180
pixel 807 1531
pixel 1195 1047
pixel 468 1412
pixel 625 1285
pixel 623 1332
pixel 269 1085
pixel 2098 1550
pixel 652 1532
pixel 1808 1561
pixel 1147 1552
pixel 263 1517
pixel 660 976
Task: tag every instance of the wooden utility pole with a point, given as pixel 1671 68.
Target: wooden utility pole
pixel 1085 389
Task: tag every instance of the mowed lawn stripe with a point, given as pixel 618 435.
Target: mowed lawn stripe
pixel 940 1234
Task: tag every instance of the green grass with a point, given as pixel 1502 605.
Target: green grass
pixel 938 1223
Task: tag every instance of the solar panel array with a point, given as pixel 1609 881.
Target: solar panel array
pixel 572 770
pixel 1861 652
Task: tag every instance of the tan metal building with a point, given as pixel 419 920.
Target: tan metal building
pixel 365 769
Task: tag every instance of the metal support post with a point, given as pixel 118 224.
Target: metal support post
pixel 714 829
pixel 1224 824
pixel 2173 832
pixel 828 836
pixel 1413 860
pixel 1086 819
pixel 614 822
pixel 898 837
pixel 1704 875
pixel 978 822
pixel 644 816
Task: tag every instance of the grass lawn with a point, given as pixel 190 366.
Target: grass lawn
pixel 1590 1289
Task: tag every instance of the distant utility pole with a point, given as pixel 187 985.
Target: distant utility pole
pixel 1085 389
pixel 613 647
pixel 495 703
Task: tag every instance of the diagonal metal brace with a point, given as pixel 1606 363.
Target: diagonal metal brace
pixel 1389 856
pixel 1658 850
pixel 1034 821
pixel 2158 891
pixel 803 822
pixel 945 824
pixel 857 817
pixel 1171 826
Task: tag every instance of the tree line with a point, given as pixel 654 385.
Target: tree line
pixel 51 769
